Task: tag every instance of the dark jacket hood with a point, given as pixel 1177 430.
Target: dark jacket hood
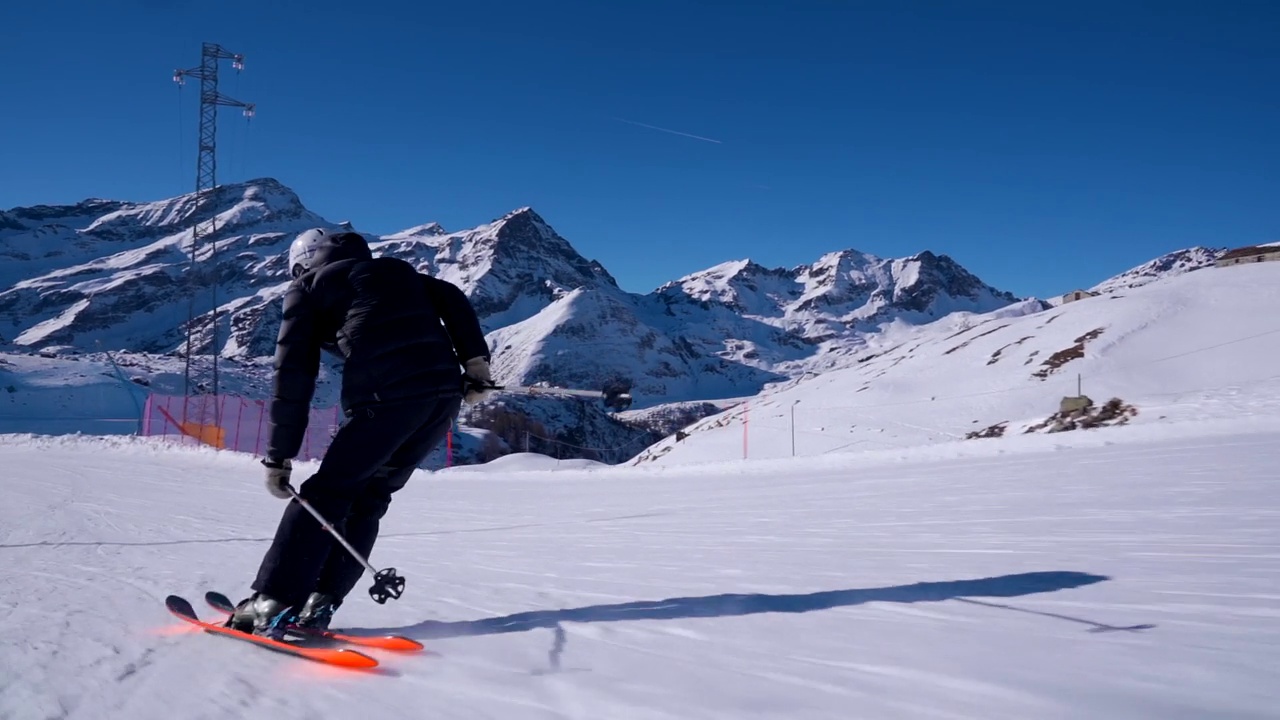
pixel 345 246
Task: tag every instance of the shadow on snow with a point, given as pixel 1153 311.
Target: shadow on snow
pixel 729 605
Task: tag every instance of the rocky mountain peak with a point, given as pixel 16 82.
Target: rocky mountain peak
pixel 524 239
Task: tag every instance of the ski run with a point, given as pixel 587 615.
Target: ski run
pixel 889 569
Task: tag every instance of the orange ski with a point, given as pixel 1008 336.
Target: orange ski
pixel 399 643
pixel 341 657
pixel 381 642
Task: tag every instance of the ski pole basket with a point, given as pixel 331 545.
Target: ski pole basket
pixel 386 584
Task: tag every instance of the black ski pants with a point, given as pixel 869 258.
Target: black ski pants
pixel 371 457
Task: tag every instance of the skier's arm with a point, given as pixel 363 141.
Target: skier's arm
pixel 459 318
pixel 297 362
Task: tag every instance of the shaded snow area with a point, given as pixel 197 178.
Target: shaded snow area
pixel 1131 576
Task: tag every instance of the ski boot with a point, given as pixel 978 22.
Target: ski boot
pixel 317 611
pixel 262 615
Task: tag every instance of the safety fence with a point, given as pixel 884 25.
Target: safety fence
pixel 230 423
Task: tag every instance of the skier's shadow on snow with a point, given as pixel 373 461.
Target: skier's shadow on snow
pixel 729 605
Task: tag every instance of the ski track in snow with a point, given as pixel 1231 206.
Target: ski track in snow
pixel 1139 579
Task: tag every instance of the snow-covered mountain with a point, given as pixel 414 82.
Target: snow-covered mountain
pixel 511 268
pixel 120 274
pixel 809 318
pixel 115 275
pixel 1191 347
pixel 842 290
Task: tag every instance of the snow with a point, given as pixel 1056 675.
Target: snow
pixel 1168 265
pixel 39 331
pixel 66 395
pixel 430 229
pixel 1137 577
pixel 889 569
pixel 1191 347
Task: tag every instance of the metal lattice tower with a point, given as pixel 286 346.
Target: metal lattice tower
pixel 203 266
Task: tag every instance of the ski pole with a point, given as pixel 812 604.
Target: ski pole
pixel 386 583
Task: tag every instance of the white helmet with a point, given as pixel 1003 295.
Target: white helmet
pixel 303 250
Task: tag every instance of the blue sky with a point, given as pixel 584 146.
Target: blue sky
pixel 1043 145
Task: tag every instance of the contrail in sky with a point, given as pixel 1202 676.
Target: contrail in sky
pixel 666 130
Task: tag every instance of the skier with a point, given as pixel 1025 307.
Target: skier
pixel 413 351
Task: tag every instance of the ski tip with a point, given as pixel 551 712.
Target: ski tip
pixel 401 643
pixel 179 606
pixel 345 658
pixel 219 601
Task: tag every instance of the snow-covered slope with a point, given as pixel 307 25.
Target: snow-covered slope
pixel 588 337
pixel 67 395
pixel 1195 345
pixel 1169 265
pixel 1136 580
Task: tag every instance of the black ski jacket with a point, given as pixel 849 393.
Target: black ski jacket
pixel 403 336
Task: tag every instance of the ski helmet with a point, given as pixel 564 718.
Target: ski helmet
pixel 303 250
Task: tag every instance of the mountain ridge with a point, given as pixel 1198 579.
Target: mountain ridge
pixel 125 284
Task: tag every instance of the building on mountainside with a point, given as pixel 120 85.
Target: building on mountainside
pixel 1077 295
pixel 1249 254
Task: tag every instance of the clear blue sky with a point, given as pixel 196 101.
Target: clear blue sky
pixel 1043 145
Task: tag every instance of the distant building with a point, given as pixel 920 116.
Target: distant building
pixel 1077 295
pixel 1251 254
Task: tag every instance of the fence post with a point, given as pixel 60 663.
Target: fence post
pixel 235 443
pixel 222 419
pixel 164 432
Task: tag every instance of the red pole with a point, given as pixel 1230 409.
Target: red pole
pixel 746 410
pixel 164 432
pixel 448 447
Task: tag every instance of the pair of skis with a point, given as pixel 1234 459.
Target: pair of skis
pixel 319 648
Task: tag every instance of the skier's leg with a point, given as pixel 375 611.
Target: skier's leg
pixel 341 571
pixel 292 564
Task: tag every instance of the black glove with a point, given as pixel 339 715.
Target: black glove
pixel 278 472
pixel 477 382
